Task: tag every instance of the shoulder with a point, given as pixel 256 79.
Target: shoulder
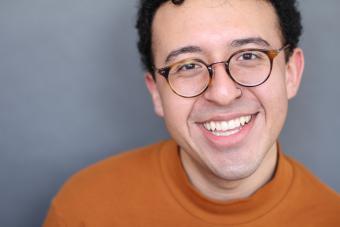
pixel 104 180
pixel 126 162
pixel 313 196
pixel 304 177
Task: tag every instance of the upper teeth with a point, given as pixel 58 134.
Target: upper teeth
pixel 227 125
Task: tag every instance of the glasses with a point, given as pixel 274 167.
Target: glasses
pixel 249 68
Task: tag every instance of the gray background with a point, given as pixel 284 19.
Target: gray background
pixel 72 93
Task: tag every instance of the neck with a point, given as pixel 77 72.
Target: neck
pixel 220 189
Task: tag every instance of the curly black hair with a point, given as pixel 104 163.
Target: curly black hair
pixel 286 10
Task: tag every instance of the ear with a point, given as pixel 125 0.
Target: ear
pixel 156 99
pixel 294 71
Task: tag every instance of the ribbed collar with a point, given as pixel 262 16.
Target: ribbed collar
pixel 215 212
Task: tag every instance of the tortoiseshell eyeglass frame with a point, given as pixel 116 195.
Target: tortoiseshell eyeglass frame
pixel 270 53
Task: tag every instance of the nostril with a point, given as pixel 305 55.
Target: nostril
pixel 240 94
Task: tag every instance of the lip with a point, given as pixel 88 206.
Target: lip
pixel 224 117
pixel 231 140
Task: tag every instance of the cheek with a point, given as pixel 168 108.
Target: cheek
pixel 177 112
pixel 272 95
pixel 273 98
pixel 275 104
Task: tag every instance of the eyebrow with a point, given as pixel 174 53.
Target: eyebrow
pixel 183 50
pixel 235 43
pixel 251 40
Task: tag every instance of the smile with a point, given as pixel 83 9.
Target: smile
pixel 227 128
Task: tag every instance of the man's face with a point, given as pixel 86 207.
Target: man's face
pixel 218 29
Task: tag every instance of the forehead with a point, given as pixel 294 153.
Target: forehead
pixel 208 23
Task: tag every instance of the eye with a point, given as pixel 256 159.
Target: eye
pixel 188 66
pixel 246 56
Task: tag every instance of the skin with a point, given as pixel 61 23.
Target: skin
pixel 228 167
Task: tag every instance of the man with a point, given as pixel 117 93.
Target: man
pixel 220 73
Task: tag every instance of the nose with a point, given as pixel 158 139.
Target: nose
pixel 222 89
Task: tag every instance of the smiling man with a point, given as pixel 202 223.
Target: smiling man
pixel 220 74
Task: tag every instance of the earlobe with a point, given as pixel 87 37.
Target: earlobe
pixel 156 99
pixel 294 71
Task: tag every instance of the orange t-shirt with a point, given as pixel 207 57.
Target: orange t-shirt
pixel 148 187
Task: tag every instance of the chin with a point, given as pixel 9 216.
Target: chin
pixel 235 167
pixel 235 172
